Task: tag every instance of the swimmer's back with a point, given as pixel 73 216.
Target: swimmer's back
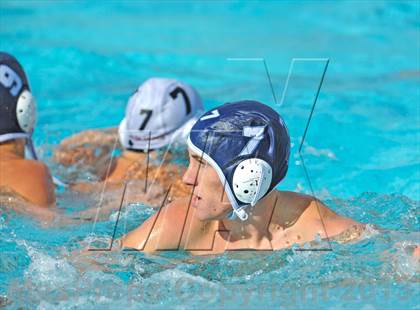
pixel 30 179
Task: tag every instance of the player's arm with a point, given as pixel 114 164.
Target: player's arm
pixel 87 146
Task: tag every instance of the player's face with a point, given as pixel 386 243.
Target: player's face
pixel 209 198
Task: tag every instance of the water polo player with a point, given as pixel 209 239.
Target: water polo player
pixel 239 152
pixel 158 115
pixel 28 179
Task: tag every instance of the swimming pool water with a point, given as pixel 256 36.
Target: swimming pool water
pixel 362 148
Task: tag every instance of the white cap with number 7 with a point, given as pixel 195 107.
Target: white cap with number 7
pixel 160 112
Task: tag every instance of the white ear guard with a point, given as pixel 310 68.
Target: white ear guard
pixel 251 180
pixel 122 133
pixel 26 117
pixel 26 111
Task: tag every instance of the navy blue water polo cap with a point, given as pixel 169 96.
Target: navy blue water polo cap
pixel 248 145
pixel 17 105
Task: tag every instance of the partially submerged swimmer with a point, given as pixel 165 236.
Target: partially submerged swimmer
pixel 239 152
pixel 158 115
pixel 28 178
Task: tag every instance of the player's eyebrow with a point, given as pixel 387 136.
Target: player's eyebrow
pixel 198 158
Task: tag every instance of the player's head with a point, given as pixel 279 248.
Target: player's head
pixel 17 105
pixel 240 150
pixel 160 112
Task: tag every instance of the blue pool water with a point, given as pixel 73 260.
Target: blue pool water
pixel 361 151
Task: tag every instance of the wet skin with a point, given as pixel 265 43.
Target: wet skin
pixel 199 224
pixel 30 179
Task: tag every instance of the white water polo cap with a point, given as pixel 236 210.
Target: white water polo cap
pixel 248 145
pixel 160 112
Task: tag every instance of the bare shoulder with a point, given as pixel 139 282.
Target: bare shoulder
pixel 293 205
pixel 310 206
pixel 29 170
pixel 294 198
pixel 331 222
pixel 38 173
pixel 32 180
pixel 162 231
pixel 311 216
pixel 37 167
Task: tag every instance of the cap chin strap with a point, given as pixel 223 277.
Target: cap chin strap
pixel 32 153
pixel 57 182
pixel 234 213
pixel 238 213
pixel 30 148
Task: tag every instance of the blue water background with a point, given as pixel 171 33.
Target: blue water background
pixel 362 149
